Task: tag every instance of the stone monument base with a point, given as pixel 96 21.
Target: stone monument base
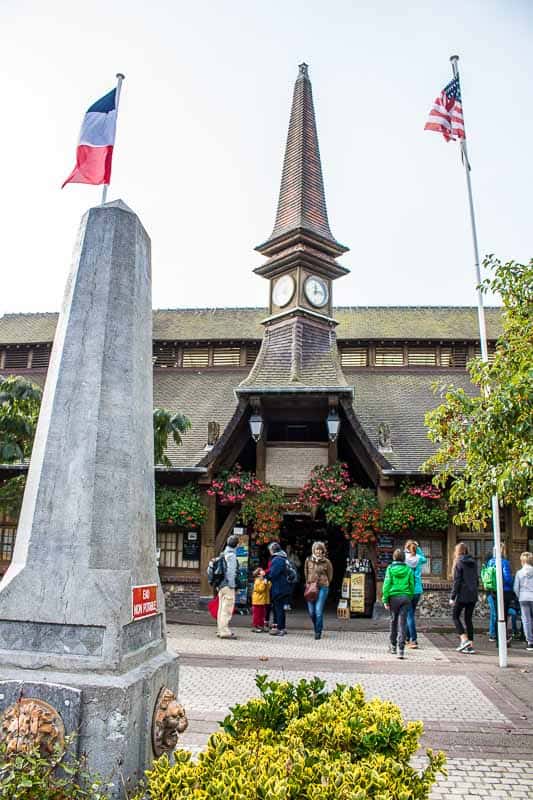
pixel 111 712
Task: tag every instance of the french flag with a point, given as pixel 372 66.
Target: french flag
pixel 97 138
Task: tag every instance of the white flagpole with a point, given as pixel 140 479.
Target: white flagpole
pixel 120 77
pixel 502 622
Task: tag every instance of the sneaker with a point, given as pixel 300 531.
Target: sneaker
pixel 231 636
pixel 530 646
pixel 468 650
pixel 401 654
pixel 412 645
pixel 392 649
pixel 318 635
pixel 276 632
pixel 257 630
pixel 492 638
pixel 464 645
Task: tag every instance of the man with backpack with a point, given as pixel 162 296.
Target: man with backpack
pixel 282 575
pixel 222 574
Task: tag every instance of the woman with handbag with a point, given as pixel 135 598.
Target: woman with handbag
pixel 318 572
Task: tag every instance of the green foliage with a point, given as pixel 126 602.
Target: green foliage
pixel 301 742
pixel 20 401
pixel 486 442
pixel 32 776
pixel 357 514
pixel 11 494
pixel 411 512
pixel 167 425
pixel 263 510
pixel 179 506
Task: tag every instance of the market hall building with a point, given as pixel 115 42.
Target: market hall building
pixel 319 384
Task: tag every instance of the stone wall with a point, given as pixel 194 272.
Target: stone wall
pixel 182 593
pixel 435 603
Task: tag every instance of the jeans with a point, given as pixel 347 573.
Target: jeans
pixel 491 600
pixel 526 609
pixel 278 606
pixel 411 622
pixel 469 610
pixel 316 609
pixel 399 606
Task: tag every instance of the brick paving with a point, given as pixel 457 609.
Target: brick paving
pixel 482 717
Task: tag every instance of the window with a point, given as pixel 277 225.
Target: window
pixel 354 357
pixel 433 550
pixel 389 356
pixel 481 549
pixel 165 355
pixel 491 350
pixel 16 358
pixel 7 542
pixel 252 351
pixel 226 356
pixel 422 356
pixel 195 356
pixel 40 357
pixel 179 549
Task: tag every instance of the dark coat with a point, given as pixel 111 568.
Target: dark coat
pixel 277 575
pixel 464 589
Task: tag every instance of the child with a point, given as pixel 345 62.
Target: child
pixel 398 591
pixel 260 600
pixel 523 588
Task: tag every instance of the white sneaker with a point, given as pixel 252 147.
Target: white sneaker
pixel 464 645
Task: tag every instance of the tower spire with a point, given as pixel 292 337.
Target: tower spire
pixel 302 200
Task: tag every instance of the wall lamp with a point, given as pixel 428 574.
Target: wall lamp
pixel 333 422
pixel 256 426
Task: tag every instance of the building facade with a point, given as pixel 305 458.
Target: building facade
pixel 292 365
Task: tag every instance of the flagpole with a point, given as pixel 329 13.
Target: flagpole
pixel 120 77
pixel 502 622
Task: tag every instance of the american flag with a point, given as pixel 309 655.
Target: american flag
pixel 446 116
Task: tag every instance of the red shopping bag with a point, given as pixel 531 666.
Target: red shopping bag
pixel 212 607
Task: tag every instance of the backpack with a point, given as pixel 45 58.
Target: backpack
pixel 291 572
pixel 488 578
pixel 216 571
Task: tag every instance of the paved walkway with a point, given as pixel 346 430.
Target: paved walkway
pixel 482 717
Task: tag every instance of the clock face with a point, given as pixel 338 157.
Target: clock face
pixel 283 290
pixel 316 291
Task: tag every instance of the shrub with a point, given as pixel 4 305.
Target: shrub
pixel 299 742
pixel 32 776
pixel 181 506
pixel 413 512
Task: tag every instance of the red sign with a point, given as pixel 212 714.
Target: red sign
pixel 144 601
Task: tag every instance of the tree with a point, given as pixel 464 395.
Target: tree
pixel 167 424
pixel 20 401
pixel 486 441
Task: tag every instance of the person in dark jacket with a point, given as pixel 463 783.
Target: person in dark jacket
pixel 464 596
pixel 280 591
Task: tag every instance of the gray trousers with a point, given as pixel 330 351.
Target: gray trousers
pixel 526 612
pixel 399 606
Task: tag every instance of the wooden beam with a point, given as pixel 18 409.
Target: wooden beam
pixel 224 532
pixel 207 543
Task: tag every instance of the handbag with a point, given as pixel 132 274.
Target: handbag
pixel 311 592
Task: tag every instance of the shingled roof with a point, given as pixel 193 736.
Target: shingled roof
pixel 219 324
pixel 302 200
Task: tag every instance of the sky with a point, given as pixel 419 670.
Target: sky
pixel 201 134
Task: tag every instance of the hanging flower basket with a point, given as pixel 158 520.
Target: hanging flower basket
pixel 233 486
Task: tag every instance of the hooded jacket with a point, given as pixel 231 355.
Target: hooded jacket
pixel 399 580
pixel 319 570
pixel 464 589
pixel 230 575
pixel 507 574
pixel 416 562
pixel 523 584
pixel 277 575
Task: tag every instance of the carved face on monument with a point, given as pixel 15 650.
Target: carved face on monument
pixel 31 723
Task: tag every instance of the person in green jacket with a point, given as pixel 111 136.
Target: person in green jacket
pixel 398 591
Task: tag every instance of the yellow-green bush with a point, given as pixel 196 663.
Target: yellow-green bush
pixel 298 742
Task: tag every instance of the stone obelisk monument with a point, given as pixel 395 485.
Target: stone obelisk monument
pixel 73 631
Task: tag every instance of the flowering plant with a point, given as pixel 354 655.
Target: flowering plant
pixel 426 490
pixel 264 511
pixel 357 514
pixel 325 484
pixel 415 508
pixel 233 486
pixel 179 506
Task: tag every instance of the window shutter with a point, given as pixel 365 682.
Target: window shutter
pixel 389 356
pixel 422 356
pixel 354 356
pixel 195 356
pixel 226 356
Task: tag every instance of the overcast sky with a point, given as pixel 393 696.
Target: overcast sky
pixel 202 128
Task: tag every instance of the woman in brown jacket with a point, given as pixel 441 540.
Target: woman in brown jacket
pixel 318 570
